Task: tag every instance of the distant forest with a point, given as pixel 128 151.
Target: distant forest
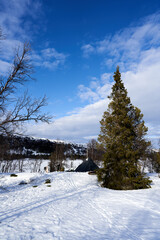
pixel 17 147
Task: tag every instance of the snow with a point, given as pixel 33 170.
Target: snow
pixel 72 164
pixel 76 207
pixel 24 165
pixel 34 165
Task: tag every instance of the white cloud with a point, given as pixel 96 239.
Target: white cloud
pixel 49 58
pixel 11 17
pixel 52 53
pixel 8 48
pixel 77 127
pixel 87 50
pixel 126 46
pixel 106 77
pixel 93 94
pixel 86 93
pixel 98 88
pixel 143 87
pixel 4 67
pixel 108 62
pixel 15 22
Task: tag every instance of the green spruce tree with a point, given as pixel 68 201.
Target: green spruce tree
pixel 122 138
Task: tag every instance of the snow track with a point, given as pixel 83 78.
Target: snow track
pixel 118 226
pixel 25 208
pixel 75 207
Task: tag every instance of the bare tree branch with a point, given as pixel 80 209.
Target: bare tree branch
pixel 21 72
pixel 23 108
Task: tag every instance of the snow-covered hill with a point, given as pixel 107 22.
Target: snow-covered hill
pixel 73 206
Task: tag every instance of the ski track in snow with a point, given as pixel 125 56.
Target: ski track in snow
pixel 75 207
pixel 118 225
pixel 11 213
pixel 106 217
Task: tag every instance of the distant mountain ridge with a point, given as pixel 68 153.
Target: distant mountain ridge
pixel 17 146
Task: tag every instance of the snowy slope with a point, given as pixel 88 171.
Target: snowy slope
pixel 75 207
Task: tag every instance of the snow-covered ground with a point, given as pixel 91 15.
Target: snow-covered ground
pixel 73 206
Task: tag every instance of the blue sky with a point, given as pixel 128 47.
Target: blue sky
pixel 76 46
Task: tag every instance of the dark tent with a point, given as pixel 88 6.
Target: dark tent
pixel 87 166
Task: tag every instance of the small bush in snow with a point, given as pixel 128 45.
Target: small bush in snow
pixel 13 175
pixel 47 181
pixel 22 183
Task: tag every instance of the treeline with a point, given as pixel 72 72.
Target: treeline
pixel 153 161
pixel 19 148
pixel 16 147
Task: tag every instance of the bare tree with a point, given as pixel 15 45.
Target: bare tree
pixel 14 110
pixel 93 151
pixel 57 157
pixel 91 148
